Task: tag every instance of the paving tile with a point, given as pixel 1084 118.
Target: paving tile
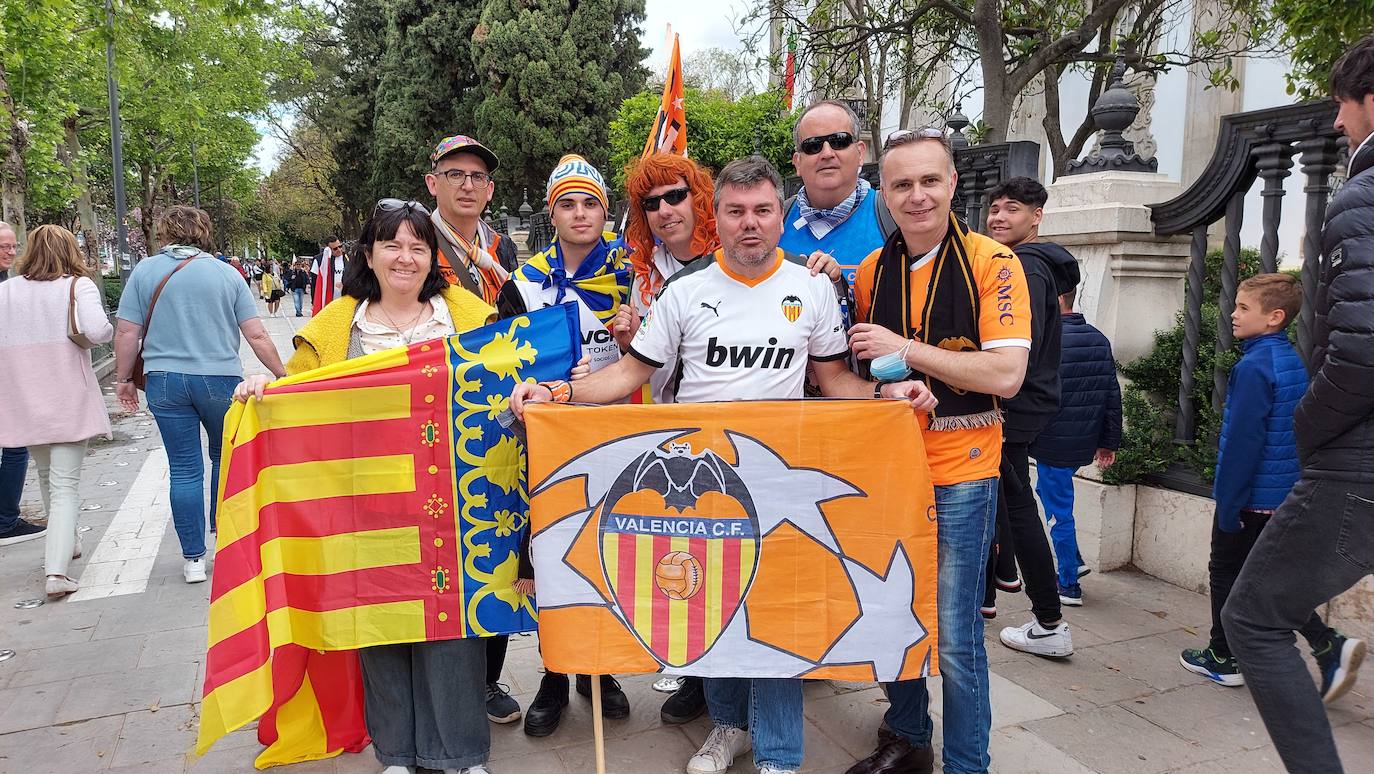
pixel 146 620
pixel 851 720
pixel 1114 619
pixel 166 766
pixel 69 749
pixel 79 659
pixel 179 646
pixel 1111 740
pixel 240 761
pixel 1264 760
pixel 155 736
pixel 1355 742
pixel 1013 705
pixel 546 762
pixel 137 689
pixel 1152 660
pixel 1073 684
pixel 1191 713
pixel 657 751
pixel 1018 751
pixel 55 624
pixel 31 706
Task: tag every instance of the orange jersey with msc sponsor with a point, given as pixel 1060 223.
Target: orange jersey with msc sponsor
pixel 1004 320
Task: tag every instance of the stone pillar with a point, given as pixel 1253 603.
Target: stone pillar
pixel 1132 279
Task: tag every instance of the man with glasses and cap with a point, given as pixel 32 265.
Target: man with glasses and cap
pixel 471 253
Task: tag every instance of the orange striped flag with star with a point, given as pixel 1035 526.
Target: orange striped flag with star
pixel 370 502
pixel 669 132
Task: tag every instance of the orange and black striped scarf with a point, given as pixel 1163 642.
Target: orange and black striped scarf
pixel 948 319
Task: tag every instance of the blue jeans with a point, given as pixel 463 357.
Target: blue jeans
pixel 771 708
pixel 14 464
pixel 966 516
pixel 1055 487
pixel 299 294
pixel 182 404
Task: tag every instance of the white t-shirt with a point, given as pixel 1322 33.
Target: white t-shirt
pixel 738 339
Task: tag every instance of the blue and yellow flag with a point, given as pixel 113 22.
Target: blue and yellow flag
pixel 370 502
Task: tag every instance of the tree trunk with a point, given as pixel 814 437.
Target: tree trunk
pixel 13 178
pixel 997 103
pixel 70 154
pixel 151 182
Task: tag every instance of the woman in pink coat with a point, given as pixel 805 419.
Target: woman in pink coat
pixel 52 402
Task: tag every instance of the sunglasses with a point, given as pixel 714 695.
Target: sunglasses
pixel 904 136
pixel 838 142
pixel 673 197
pixel 392 205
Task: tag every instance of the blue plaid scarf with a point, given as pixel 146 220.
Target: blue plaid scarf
pixel 830 219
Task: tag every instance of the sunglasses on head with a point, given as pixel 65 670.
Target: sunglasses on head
pixel 673 197
pixel 903 136
pixel 838 142
pixel 392 205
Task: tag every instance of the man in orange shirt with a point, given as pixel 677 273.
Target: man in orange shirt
pixel 952 306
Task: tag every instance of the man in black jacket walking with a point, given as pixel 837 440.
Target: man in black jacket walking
pixel 1321 540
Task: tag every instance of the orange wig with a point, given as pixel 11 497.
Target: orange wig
pixel 655 170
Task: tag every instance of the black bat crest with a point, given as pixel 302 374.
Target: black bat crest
pixel 681 477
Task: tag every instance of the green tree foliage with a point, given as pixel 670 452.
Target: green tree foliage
pixel 552 74
pixel 1318 32
pixel 719 130
pixel 1150 400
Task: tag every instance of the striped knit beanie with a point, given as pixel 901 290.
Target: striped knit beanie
pixel 575 174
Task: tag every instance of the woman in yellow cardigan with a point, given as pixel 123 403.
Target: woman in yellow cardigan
pixel 425 703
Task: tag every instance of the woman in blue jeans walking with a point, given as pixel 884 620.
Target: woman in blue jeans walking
pixel 191 359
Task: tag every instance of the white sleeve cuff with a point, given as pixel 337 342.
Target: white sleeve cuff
pixel 999 343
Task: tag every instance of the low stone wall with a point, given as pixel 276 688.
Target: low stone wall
pixel 1168 534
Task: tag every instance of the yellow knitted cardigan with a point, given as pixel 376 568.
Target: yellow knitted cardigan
pixel 324 340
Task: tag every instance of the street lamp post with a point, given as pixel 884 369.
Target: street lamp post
pixel 125 261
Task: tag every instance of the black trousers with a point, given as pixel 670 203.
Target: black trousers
pixel 1229 551
pixel 1030 545
pixel 496 657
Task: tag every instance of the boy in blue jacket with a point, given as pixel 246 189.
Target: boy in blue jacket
pixel 1257 462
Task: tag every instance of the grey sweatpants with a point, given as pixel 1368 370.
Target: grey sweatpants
pixel 426 703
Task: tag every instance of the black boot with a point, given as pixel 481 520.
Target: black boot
pixel 895 755
pixel 547 708
pixel 614 704
pixel 686 704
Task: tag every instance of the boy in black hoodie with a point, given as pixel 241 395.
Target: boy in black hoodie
pixel 1014 212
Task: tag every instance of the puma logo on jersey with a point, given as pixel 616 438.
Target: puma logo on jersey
pixel 715 308
pixel 749 357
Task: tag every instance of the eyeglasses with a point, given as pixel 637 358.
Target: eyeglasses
pixel 838 142
pixel 904 136
pixel 392 205
pixel 455 178
pixel 673 197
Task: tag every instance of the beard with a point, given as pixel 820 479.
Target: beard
pixel 750 257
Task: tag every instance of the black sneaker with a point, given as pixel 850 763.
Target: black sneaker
pixel 1222 670
pixel 686 704
pixel 501 708
pixel 614 703
pixel 1340 664
pixel 547 708
pixel 22 532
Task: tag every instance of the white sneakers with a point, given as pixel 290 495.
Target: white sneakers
pixel 194 572
pixel 399 770
pixel 720 750
pixel 60 586
pixel 1037 640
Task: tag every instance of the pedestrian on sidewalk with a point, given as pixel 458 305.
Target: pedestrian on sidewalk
pixel 53 404
pixel 298 280
pixel 14 463
pixel 1320 542
pixel 1087 428
pixel 272 291
pixel 191 359
pixel 424 702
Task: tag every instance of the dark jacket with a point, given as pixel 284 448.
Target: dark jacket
pixel 297 279
pixel 1257 463
pixel 1050 270
pixel 1334 422
pixel 506 253
pixel 1089 415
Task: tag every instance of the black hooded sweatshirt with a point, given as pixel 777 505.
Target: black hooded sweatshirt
pixel 1050 271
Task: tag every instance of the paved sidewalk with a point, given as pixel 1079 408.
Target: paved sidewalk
pixel 111 681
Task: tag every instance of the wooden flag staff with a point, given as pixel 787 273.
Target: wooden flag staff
pixel 598 732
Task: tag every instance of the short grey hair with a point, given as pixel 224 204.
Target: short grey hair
pixel 854 126
pixel 4 225
pixel 748 172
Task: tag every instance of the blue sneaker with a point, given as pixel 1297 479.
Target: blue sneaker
pixel 1071 595
pixel 1222 670
pixel 1340 665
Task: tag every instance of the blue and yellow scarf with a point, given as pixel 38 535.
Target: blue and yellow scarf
pixel 602 281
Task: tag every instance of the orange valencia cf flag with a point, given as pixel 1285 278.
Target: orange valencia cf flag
pixel 748 539
pixel 669 133
pixel 374 501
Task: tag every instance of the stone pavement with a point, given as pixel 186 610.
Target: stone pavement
pixel 111 681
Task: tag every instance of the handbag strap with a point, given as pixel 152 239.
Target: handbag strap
pixel 152 303
pixel 71 307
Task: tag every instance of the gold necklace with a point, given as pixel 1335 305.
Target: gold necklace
pixel 405 337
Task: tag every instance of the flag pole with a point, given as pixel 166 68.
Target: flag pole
pixel 598 731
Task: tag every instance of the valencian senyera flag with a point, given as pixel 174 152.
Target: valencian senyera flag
pixel 378 500
pixel 746 539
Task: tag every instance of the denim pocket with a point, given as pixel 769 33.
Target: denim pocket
pixel 1356 541
pixel 156 389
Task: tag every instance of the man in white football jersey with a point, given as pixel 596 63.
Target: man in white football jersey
pixel 741 324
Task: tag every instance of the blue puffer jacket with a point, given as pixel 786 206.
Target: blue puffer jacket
pixel 1258 460
pixel 1089 415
